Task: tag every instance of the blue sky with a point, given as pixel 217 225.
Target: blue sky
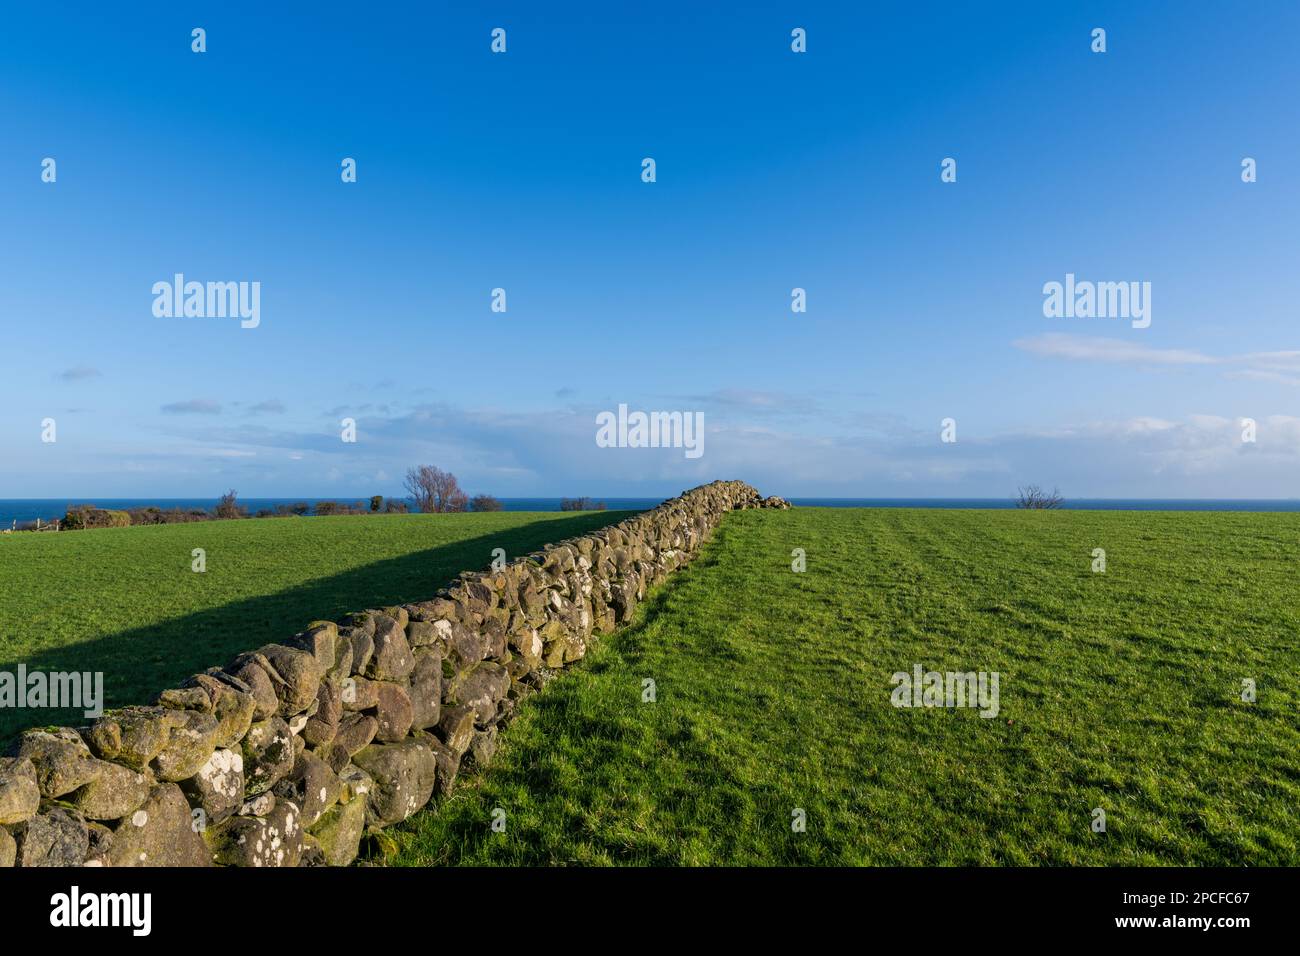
pixel 775 170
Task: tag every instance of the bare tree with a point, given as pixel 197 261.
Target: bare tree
pixel 228 507
pixel 581 504
pixel 1036 499
pixel 434 490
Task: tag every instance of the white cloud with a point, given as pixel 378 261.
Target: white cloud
pixel 1089 348
pixel 195 406
pixel 79 373
pixel 1282 367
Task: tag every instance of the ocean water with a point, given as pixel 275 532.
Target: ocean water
pixel 47 509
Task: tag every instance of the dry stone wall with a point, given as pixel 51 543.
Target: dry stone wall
pixel 288 755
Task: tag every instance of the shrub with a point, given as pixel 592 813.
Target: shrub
pixel 484 503
pixel 394 507
pixel 1036 499
pixel 581 504
pixel 228 508
pixel 80 517
pixel 330 508
pixel 152 514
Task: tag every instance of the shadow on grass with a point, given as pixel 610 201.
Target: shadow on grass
pixel 139 662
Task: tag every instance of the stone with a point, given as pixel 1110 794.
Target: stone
pixel 338 832
pixel 8 849
pixel 56 838
pixel 324 724
pixel 273 840
pixel 162 832
pixel 190 743
pixel 20 794
pixel 528 643
pixel 360 621
pixel 133 735
pixel 480 688
pixel 259 806
pixel 320 641
pixel 363 646
pixel 623 598
pixel 342 666
pixel 518 668
pixel 355 732
pixel 398 614
pixel 256 675
pixel 312 854
pixel 403 775
pixel 448 764
pixel 217 788
pixel 61 759
pixel 357 693
pixel 115 792
pixel 184 698
pixel 354 784
pixel 552 634
pixel 299 677
pixel 531 602
pixel 268 755
pixel 392 660
pixel 481 595
pixel 483 747
pixel 393 713
pixel 494 638
pixel 426 688
pixel 506 709
pixel 312 786
pixel 335 757
pixel 456 729
pixel 101 842
pixel 423 633
pixel 229 700
pixel 465 648
pixel 439 609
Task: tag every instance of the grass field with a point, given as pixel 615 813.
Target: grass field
pixel 1119 691
pixel 126 602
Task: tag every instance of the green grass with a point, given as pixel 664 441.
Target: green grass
pixel 126 602
pixel 1119 690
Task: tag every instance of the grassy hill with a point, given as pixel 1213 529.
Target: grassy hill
pixel 126 602
pixel 1119 691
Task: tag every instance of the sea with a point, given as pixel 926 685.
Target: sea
pixel 47 509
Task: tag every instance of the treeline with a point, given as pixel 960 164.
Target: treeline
pixel 432 491
pixel 228 507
